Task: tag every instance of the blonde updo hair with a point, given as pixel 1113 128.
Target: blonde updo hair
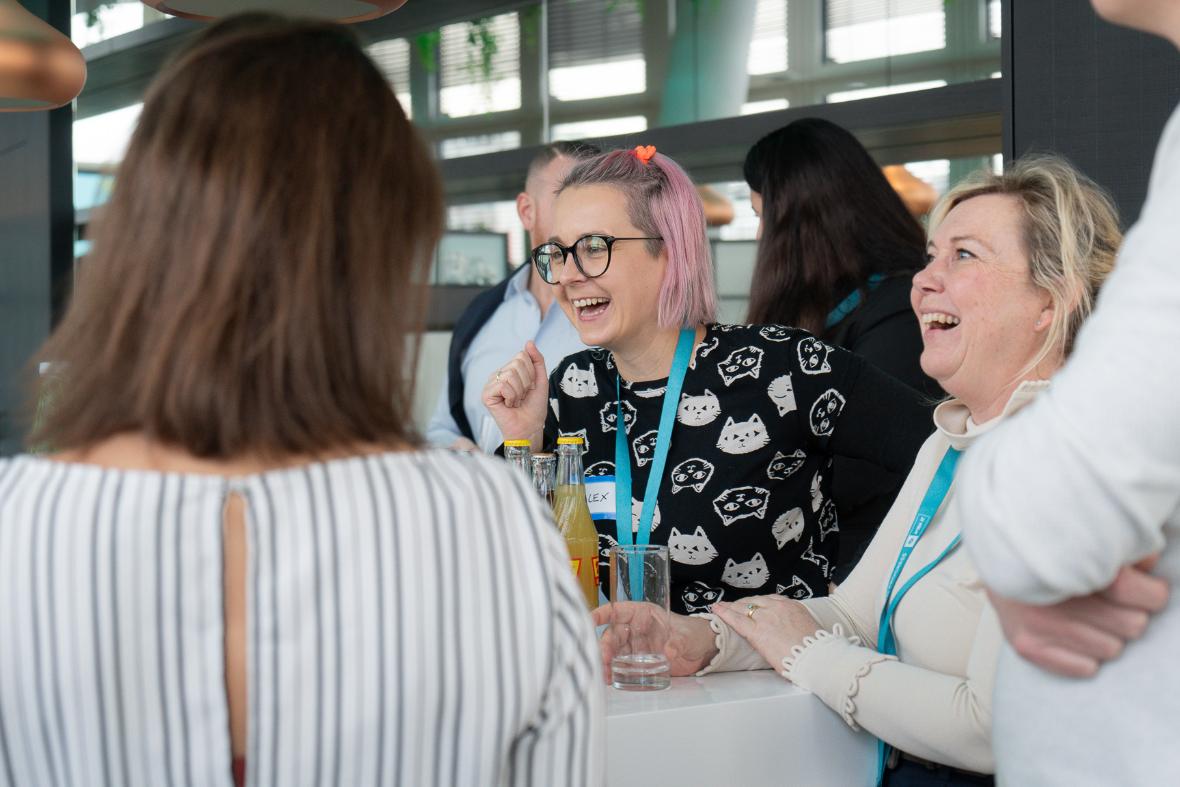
pixel 1071 236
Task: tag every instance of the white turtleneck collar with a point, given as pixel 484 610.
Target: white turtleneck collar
pixel 953 419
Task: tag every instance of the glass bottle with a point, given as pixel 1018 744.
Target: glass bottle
pixel 573 517
pixel 545 476
pixel 519 454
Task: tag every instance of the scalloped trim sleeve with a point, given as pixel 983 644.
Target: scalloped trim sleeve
pixel 734 653
pixel 831 665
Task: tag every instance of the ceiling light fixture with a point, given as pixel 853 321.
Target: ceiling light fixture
pixel 345 11
pixel 39 67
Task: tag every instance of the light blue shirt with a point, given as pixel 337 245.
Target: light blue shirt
pixel 514 322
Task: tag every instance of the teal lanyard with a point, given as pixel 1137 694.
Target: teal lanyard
pixel 680 361
pixel 845 307
pixel 935 494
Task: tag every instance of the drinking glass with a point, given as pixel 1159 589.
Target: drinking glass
pixel 640 618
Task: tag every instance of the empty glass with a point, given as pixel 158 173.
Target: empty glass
pixel 640 617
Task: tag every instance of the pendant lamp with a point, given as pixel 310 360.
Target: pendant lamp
pixel 918 195
pixel 346 11
pixel 39 67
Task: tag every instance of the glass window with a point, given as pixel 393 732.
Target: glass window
pixel 593 129
pixel 393 58
pixel 495 217
pixel 595 50
pixel 477 145
pixel 102 139
pixel 768 49
pixel 883 90
pixel 770 105
pixel 98 20
pixel 936 172
pixel 866 29
pixel 479 66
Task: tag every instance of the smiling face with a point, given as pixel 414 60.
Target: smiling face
pixel 982 318
pixel 618 309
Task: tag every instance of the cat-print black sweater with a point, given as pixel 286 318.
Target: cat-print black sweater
pixel 745 505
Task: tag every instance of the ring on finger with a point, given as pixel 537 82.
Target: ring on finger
pixel 499 375
pixel 751 609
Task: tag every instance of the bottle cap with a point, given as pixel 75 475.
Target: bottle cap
pixel 517 443
pixel 569 440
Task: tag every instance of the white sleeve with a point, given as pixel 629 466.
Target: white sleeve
pixel 442 430
pixel 1081 482
pixel 566 742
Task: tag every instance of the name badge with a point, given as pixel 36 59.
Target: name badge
pixel 600 497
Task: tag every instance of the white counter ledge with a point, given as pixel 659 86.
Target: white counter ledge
pixel 737 729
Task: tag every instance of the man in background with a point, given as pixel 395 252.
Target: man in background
pixel 499 322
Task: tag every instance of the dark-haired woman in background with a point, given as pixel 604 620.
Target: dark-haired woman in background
pixel 837 249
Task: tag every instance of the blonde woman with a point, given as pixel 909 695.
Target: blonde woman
pixel 906 647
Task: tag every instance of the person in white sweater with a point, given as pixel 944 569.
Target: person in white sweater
pixel 1087 480
pixel 1014 263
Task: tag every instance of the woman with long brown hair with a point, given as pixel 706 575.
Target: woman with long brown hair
pixel 239 550
pixel 836 251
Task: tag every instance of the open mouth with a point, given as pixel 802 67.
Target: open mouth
pixel 939 321
pixel 590 308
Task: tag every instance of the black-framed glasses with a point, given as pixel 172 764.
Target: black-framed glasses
pixel 591 255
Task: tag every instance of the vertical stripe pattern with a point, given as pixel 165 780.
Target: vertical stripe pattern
pixel 412 620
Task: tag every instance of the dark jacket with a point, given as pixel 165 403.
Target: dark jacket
pixel 884 331
pixel 474 317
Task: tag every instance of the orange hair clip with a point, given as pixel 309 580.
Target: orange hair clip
pixel 645 152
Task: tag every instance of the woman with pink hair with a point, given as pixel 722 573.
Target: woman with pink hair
pixel 726 432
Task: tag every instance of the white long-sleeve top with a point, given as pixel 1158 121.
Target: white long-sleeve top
pixel 934 699
pixel 1081 483
pixel 411 620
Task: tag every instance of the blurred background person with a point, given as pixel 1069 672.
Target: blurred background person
pixel 744 501
pixel 1086 482
pixel 501 320
pixel 836 250
pixel 241 563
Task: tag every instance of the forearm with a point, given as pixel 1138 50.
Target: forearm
pixel 943 718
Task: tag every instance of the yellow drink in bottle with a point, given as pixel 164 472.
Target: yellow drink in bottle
pixel 573 517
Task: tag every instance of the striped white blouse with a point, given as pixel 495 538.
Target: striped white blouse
pixel 412 621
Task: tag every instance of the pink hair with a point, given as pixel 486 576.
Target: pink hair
pixel 662 202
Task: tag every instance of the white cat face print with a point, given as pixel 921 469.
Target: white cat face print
pixel 788 527
pixel 797 590
pixel 827 520
pixel 708 346
pixel 600 470
pixel 740 503
pixel 810 556
pixel 578 383
pixel 824 412
pixel 743 437
pixel 782 393
pixel 699 410
pixel 751 574
pixel 691 549
pixel 691 474
pixel 644 447
pixel 637 512
pixel 698 597
pixel 580 433
pixel 813 356
pixel 817 495
pixel 783 466
pixel 605 543
pixel 609 414
pixel 775 333
pixel 745 362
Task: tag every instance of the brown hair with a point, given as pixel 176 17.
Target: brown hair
pixel 257 280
